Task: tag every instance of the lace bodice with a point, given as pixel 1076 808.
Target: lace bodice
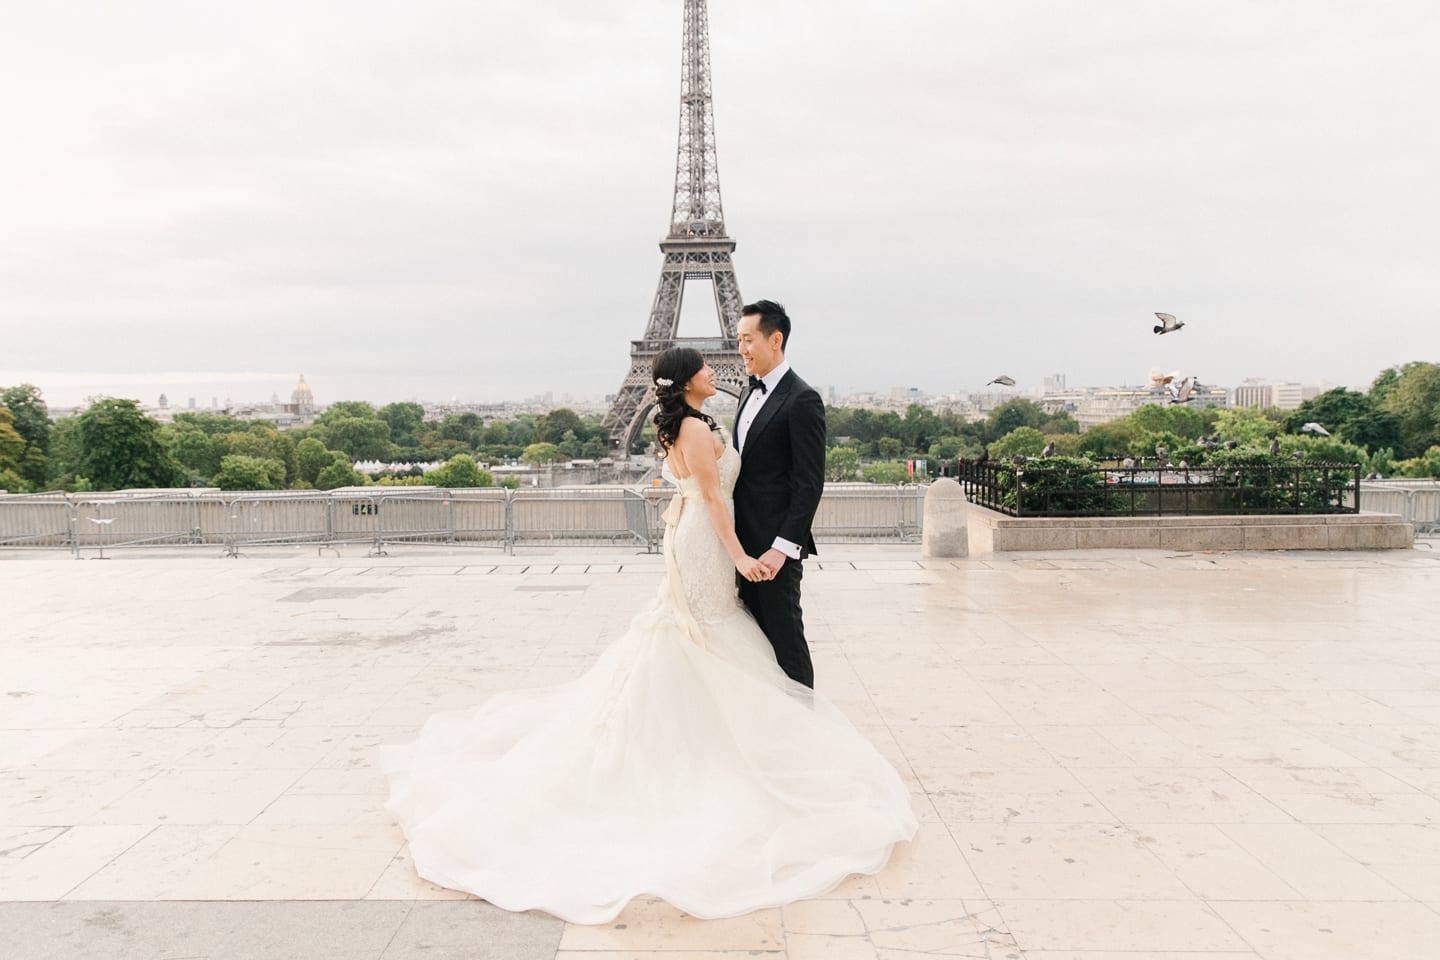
pixel 703 566
pixel 729 464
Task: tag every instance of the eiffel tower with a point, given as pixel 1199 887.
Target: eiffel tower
pixel 696 248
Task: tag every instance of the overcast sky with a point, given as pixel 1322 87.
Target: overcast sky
pixel 437 199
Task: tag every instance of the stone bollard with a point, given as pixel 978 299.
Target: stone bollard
pixel 945 531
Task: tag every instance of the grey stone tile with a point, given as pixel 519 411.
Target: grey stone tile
pixel 474 931
pixel 265 930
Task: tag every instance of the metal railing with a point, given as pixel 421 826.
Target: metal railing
pixel 1414 500
pixel 1038 489
pixel 379 517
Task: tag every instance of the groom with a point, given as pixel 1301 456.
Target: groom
pixel 780 433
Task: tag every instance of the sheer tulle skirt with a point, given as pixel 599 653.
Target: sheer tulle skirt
pixel 703 776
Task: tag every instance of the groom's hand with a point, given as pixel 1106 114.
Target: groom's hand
pixel 773 560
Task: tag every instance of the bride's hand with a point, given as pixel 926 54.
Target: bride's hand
pixel 752 569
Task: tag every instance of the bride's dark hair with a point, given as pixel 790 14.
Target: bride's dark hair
pixel 672 370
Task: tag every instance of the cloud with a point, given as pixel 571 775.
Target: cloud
pixel 465 198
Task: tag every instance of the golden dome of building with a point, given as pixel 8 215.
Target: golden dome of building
pixel 301 397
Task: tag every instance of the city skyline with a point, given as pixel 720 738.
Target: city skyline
pixel 464 200
pixel 269 391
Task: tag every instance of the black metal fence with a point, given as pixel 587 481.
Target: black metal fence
pixel 1041 489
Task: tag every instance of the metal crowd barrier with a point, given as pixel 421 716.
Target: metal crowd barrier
pixel 1416 501
pixel 486 517
pixel 855 512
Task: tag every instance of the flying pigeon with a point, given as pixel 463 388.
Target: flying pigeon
pixel 1229 444
pixel 1128 463
pixel 1313 427
pixel 1159 381
pixel 1049 450
pixel 1167 324
pixel 1182 392
pixel 1003 380
pixel 1275 446
pixel 101 521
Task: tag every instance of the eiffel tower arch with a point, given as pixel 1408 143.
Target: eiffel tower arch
pixel 697 247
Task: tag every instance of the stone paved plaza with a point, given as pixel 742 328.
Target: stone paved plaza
pixel 1115 755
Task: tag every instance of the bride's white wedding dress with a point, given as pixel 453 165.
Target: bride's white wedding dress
pixel 683 765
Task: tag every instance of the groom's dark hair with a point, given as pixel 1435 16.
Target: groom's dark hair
pixel 772 317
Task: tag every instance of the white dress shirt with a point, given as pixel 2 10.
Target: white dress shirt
pixel 742 430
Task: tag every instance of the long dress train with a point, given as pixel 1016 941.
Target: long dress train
pixel 684 765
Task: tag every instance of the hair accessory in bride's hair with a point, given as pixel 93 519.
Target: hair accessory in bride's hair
pixel 663 382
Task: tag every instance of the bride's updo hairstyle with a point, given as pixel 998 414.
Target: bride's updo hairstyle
pixel 673 369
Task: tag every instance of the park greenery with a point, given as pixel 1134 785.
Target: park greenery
pixel 1391 429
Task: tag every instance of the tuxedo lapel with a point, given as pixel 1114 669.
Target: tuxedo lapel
pixel 773 403
pixel 739 410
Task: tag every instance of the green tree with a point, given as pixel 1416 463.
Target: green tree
pixel 193 448
pixel 1331 409
pixel 539 453
pixel 1111 440
pixel 239 472
pixel 1376 430
pixel 1011 414
pixel 1382 386
pixel 1060 422
pixel 312 456
pixel 1427 465
pixel 32 423
pixel 12 452
pixel 62 470
pixel 1249 426
pixel 122 448
pixel 405 420
pixel 32 416
pixel 495 434
pixel 212 423
pixel 339 473
pixel 569 446
pixel 360 438
pixel 889 447
pixel 885 472
pixel 552 427
pixel 1066 444
pixel 460 471
pixel 946 448
pixel 1415 399
pixel 920 428
pixel 1023 440
pixel 841 463
pixel 346 410
pixel 1180 421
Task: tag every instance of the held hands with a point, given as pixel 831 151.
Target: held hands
pixel 765 568
pixel 752 569
pixel 773 560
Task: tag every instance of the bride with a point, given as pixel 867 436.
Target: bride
pixel 684 764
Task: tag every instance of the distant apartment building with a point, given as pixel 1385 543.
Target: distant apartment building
pixel 1093 406
pixel 1282 396
pixel 1289 396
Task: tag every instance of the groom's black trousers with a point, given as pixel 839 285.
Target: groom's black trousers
pixel 775 604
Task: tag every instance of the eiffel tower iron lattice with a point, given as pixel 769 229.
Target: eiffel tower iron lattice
pixel 696 248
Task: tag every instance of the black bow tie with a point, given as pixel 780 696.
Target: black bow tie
pixel 757 384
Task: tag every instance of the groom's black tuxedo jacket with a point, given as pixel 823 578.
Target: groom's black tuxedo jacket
pixel 782 468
